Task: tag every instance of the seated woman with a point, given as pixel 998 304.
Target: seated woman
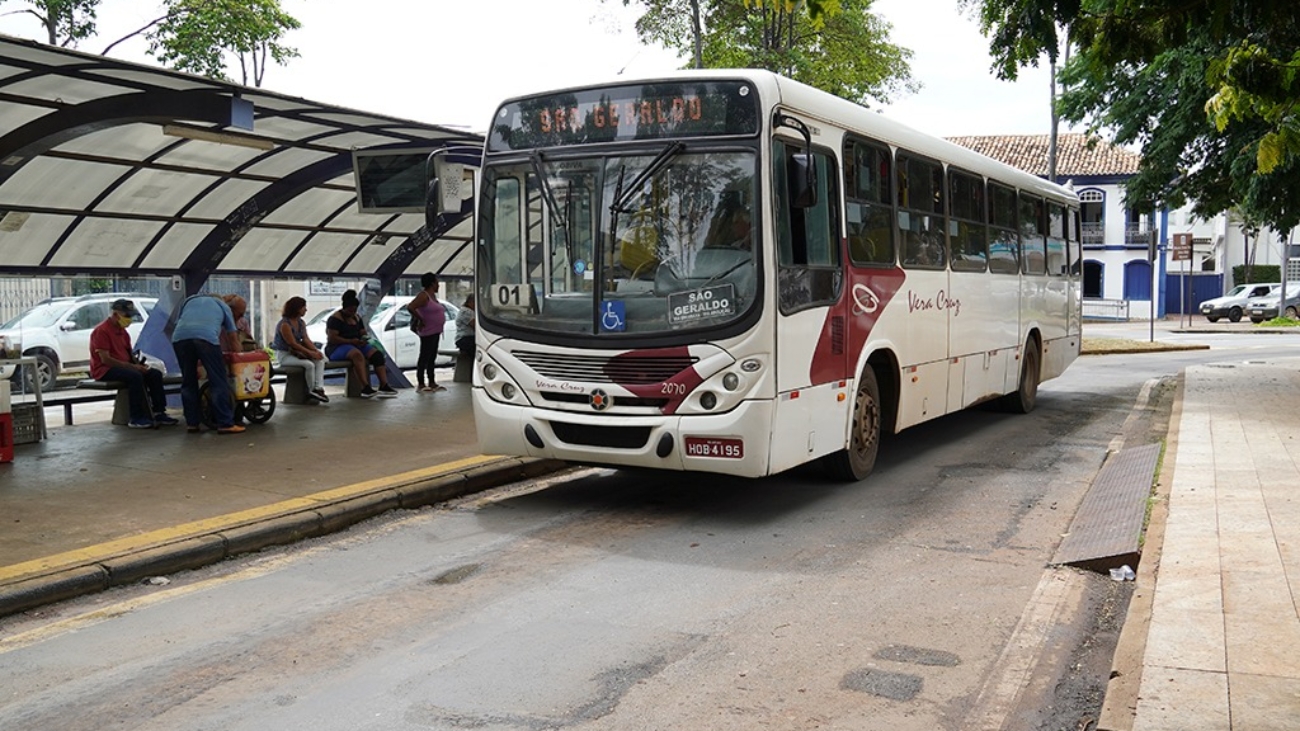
pixel 347 339
pixel 465 327
pixel 294 348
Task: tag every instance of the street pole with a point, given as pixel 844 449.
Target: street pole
pixel 1151 259
pixel 1286 262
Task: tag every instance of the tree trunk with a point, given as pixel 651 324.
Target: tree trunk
pixel 698 30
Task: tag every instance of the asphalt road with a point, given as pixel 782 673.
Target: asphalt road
pixel 918 599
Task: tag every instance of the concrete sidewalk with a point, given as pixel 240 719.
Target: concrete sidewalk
pixel 1215 623
pixel 96 505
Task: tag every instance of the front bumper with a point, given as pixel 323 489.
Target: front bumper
pixel 506 429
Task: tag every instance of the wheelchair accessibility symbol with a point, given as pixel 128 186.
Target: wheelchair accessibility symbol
pixel 613 317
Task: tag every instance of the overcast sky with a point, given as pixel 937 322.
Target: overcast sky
pixel 451 62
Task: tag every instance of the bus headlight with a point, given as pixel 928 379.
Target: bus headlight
pixel 751 365
pixel 508 391
pixel 490 371
pixel 731 381
pixel 708 400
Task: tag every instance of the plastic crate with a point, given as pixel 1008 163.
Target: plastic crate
pixel 27 428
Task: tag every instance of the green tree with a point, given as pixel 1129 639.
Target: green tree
pixel 66 22
pixel 1251 84
pixel 835 45
pixel 189 35
pixel 195 36
pixel 1206 87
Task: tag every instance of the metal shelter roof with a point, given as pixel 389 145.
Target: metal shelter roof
pixel 111 167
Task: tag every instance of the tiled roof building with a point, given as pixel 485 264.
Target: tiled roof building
pixel 1077 155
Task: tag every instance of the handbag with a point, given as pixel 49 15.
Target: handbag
pixel 417 324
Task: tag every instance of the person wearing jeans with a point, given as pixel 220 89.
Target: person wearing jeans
pixel 205 323
pixel 110 360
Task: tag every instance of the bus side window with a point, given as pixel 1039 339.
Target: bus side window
pixel 807 238
pixel 1033 245
pixel 922 221
pixel 1073 253
pixel 1004 242
pixel 869 203
pixel 967 231
pixel 1056 254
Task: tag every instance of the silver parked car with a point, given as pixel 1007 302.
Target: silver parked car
pixel 1268 307
pixel 1233 304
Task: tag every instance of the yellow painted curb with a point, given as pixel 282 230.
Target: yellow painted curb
pixel 173 534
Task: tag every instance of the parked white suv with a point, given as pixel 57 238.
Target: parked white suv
pixel 56 332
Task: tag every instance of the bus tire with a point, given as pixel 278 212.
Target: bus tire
pixel 856 462
pixel 1025 397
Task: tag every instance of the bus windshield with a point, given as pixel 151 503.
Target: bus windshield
pixel 647 242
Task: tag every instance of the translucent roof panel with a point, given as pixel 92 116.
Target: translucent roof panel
pixel 264 249
pixel 106 243
pixel 156 192
pixel 113 166
pixel 172 246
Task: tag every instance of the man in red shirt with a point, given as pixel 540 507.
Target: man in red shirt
pixel 110 360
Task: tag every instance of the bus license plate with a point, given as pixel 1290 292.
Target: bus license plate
pixel 712 447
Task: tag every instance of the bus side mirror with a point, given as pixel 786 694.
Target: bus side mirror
pixel 433 204
pixel 801 179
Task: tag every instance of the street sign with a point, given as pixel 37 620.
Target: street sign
pixel 1182 247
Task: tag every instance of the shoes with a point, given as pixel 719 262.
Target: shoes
pixel 368 392
pixel 319 395
pixel 164 420
pixel 141 424
pixel 426 389
pixel 387 392
pixel 232 429
pixel 193 429
pixel 435 387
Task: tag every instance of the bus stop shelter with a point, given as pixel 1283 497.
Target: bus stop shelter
pixel 108 167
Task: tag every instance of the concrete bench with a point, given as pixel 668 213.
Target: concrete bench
pixel 295 380
pixel 122 400
pixel 464 369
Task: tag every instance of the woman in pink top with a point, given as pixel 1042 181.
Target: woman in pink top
pixel 431 316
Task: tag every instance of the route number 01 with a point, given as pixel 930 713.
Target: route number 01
pixel 512 296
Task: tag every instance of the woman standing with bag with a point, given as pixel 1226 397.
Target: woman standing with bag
pixel 294 348
pixel 431 317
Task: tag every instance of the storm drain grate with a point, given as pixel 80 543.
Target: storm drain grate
pixel 1108 526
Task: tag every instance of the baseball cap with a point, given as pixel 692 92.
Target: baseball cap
pixel 124 306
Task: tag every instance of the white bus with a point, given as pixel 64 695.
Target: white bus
pixel 729 271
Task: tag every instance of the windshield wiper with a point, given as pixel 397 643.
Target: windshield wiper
pixel 660 161
pixel 622 195
pixel 558 220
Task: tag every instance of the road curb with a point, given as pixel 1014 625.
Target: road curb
pixel 1119 702
pixel 238 536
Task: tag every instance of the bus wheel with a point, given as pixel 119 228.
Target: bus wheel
pixel 1023 399
pixel 856 462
